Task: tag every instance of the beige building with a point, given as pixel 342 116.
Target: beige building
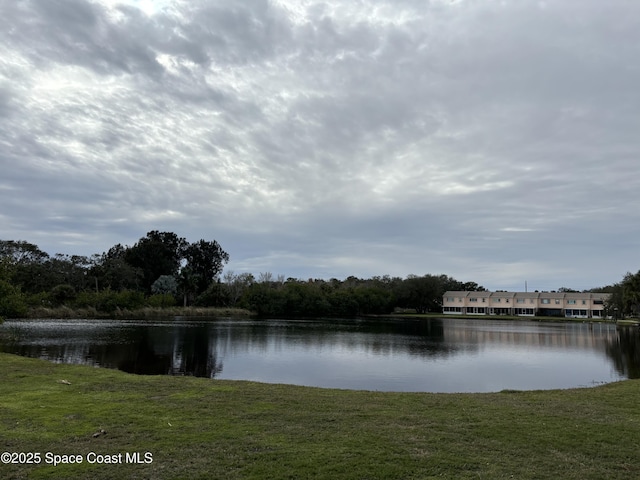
pixel 571 305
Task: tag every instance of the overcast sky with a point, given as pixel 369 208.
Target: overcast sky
pixel 493 141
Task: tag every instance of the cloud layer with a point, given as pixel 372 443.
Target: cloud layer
pixel 492 141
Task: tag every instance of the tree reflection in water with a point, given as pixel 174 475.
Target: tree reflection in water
pixel 386 354
pixel 624 351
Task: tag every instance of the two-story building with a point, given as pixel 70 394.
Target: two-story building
pixel 565 304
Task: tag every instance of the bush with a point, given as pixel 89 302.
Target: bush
pixel 12 302
pixel 62 294
pixel 126 299
pixel 42 299
pixel 109 301
pixel 214 296
pixel 161 300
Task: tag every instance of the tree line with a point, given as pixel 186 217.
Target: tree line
pixel 162 270
pixel 625 297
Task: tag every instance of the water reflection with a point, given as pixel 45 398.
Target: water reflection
pixel 625 352
pixel 414 355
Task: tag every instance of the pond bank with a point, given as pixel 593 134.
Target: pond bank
pixel 157 312
pixel 198 428
pixel 141 313
pixel 629 321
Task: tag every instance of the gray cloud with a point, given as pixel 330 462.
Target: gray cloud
pixel 492 141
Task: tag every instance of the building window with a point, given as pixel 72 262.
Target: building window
pixel 598 302
pixel 571 302
pixel 484 300
pixel 545 301
pixel 557 302
pixel 473 299
pixel 519 300
pixel 507 300
pixel 584 302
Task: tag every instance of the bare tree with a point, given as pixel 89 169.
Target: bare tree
pixel 265 277
pixel 236 284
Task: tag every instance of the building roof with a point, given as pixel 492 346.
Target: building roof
pixel 550 295
pixel 503 294
pixel 556 295
pixel 527 294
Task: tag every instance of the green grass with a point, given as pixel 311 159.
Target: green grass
pixel 199 428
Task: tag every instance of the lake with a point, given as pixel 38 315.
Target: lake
pixel 421 355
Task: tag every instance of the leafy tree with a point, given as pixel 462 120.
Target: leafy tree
pixel 114 273
pixel 159 253
pixel 24 263
pixel 631 293
pixel 614 305
pixel 69 270
pixel 624 297
pixel 343 303
pixel 187 284
pixel 125 299
pixel 372 300
pixel 265 300
pixel 13 303
pixel 164 290
pixel 466 287
pixel 423 294
pixel 215 295
pixel 205 261
pixel 35 271
pixel 20 252
pixel 62 294
pixel 299 298
pixel 567 290
pixel 165 284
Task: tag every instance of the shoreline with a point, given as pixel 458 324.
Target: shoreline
pixel 629 321
pixel 140 313
pixel 64 312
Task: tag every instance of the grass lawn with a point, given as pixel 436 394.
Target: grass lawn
pixel 199 428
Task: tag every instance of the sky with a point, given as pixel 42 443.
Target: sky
pixel 493 141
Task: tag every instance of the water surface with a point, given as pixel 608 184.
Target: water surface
pixel 436 355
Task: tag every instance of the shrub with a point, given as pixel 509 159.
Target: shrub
pixel 109 301
pixel 12 302
pixel 161 300
pixel 62 294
